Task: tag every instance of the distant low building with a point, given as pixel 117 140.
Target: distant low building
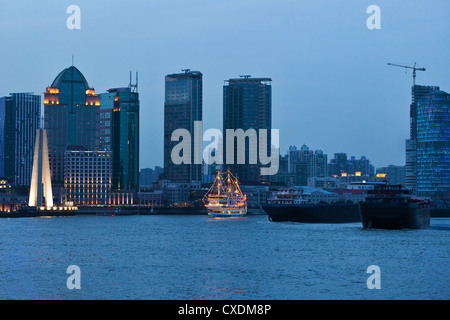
pixel 150 198
pixel 176 193
pixel 87 177
pixel 121 197
pixel 256 195
pixel 325 183
pixel 394 174
pixel 148 176
pixel 351 195
pixel 8 201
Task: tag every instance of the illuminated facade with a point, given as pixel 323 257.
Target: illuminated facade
pixel 41 185
pixel 19 120
pixel 417 92
pixel 87 178
pixel 433 145
pixel 71 117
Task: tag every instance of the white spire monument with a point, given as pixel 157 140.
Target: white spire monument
pixel 41 185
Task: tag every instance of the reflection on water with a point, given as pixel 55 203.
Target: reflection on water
pixel 215 293
pixel 440 224
pixel 228 218
pixel 200 257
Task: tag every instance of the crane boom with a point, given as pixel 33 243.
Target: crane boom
pixel 409 67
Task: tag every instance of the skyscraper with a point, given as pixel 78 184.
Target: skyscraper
pixel 182 107
pixel 320 165
pixel 417 92
pixel 433 145
pixel 19 119
pixel 301 164
pixel 119 133
pixel 247 104
pixel 338 164
pixel 71 117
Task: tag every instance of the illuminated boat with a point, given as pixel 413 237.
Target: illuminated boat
pixel 225 198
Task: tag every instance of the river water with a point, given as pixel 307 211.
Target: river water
pixel 198 257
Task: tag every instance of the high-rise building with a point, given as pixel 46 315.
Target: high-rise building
pixel 320 164
pixel 20 115
pixel 301 163
pixel 338 164
pixel 247 104
pixel 304 164
pixel 71 118
pixel 119 133
pixel 342 166
pixel 417 92
pixel 433 145
pixel 182 108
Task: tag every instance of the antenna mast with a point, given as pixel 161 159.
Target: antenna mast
pixel 133 87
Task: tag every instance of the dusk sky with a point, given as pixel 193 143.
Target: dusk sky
pixel 332 88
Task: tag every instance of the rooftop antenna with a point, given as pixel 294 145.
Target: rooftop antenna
pixel 409 67
pixel 72 60
pixel 133 87
pixel 246 76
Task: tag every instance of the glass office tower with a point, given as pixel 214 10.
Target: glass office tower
pixel 71 117
pixel 417 92
pixel 119 133
pixel 20 115
pixel 182 107
pixel 247 104
pixel 433 145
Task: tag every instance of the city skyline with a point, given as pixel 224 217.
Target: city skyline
pixel 358 94
pixel 202 151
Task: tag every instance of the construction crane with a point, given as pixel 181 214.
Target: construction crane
pixel 409 67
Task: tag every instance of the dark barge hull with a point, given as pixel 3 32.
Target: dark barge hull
pixel 440 213
pixel 394 217
pixel 313 213
pixel 34 213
